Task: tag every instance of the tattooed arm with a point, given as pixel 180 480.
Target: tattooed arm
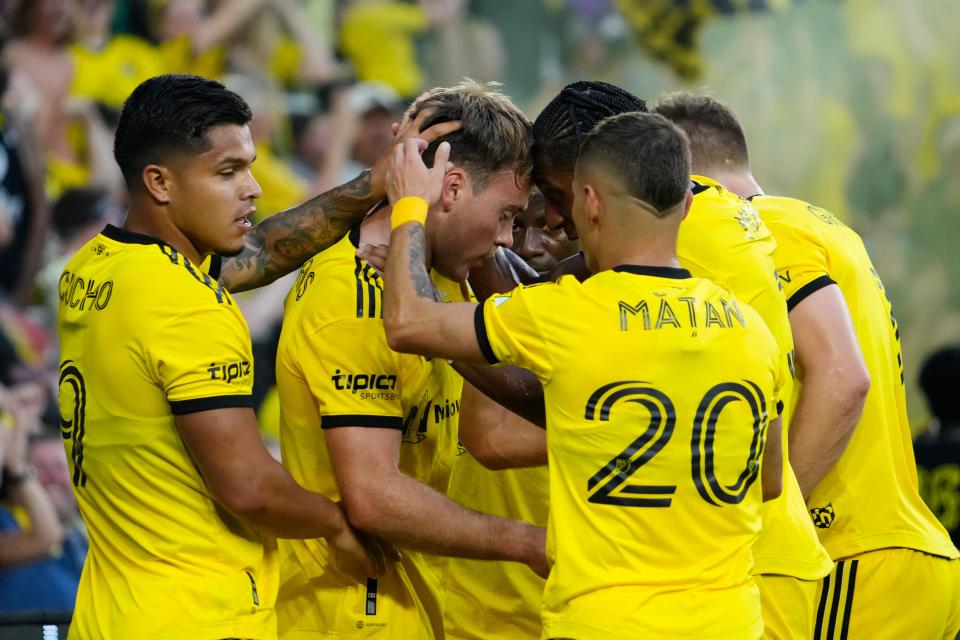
pixel 283 242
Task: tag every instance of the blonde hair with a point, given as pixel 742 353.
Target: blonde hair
pixel 494 133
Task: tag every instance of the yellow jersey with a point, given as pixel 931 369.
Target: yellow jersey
pixel 724 240
pixel 488 599
pixel 110 74
pixel 378 38
pixel 145 335
pixel 335 369
pixel 658 390
pixel 869 500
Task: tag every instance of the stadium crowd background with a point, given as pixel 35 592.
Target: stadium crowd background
pixel 852 104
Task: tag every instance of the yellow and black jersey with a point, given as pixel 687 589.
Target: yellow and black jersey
pixel 658 388
pixel 145 335
pixel 724 240
pixel 489 599
pixel 869 500
pixel 334 370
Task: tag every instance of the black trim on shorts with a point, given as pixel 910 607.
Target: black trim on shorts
pixel 779 408
pixel 180 407
pixel 480 326
pixel 361 420
pixel 659 272
pixel 826 621
pixel 814 285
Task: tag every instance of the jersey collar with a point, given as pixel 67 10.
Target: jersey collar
pixel 129 237
pixel 657 272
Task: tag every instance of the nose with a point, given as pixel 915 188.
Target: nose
pixel 528 243
pixel 505 234
pixel 253 189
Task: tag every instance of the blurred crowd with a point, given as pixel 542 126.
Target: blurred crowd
pixel 325 80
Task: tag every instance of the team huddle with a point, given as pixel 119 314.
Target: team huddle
pixel 694 427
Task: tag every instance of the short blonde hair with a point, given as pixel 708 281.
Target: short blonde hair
pixel 494 134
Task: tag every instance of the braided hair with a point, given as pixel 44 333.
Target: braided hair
pixel 562 126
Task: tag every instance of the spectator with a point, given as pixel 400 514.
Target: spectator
pixel 23 206
pixel 31 538
pixel 938 450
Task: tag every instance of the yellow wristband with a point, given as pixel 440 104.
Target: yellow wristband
pixel 409 209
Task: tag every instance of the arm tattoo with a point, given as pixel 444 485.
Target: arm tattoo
pixel 283 242
pixel 422 283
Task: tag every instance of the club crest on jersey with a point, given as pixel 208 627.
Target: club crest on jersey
pixel 749 219
pixel 823 516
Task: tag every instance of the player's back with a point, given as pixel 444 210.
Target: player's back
pixel 869 499
pixel 659 388
pixel 724 239
pixel 145 335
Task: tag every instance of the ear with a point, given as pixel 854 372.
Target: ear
pixel 688 201
pixel 595 205
pixel 156 182
pixel 455 185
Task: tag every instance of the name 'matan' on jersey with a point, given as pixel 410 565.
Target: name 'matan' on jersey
pixel 659 388
pixel 145 335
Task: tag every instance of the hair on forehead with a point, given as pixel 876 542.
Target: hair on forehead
pixel 494 134
pixel 716 137
pixel 645 153
pixel 170 115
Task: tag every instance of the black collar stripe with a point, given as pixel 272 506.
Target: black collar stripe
pixel 658 272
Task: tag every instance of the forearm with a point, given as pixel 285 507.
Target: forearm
pixel 497 437
pixel 821 428
pixel 414 319
pixel 287 510
pixel 516 389
pixel 413 515
pixel 771 478
pixel 283 242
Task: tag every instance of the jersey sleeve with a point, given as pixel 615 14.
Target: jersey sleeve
pixel 510 329
pixel 801 261
pixel 203 360
pixel 353 375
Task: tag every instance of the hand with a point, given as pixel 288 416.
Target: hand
pixel 403 131
pixel 408 176
pixel 367 551
pixel 375 255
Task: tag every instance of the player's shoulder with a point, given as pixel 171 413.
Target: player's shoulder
pixel 335 285
pixel 721 210
pixel 144 271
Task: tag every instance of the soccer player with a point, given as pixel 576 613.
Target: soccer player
pixel 502 599
pixel 181 498
pixel 378 429
pixel 856 469
pixel 724 240
pixel 660 388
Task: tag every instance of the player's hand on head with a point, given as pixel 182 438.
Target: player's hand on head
pixel 406 129
pixel 408 176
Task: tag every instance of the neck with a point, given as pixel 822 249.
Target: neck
pixel 157 225
pixel 651 243
pixel 738 181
